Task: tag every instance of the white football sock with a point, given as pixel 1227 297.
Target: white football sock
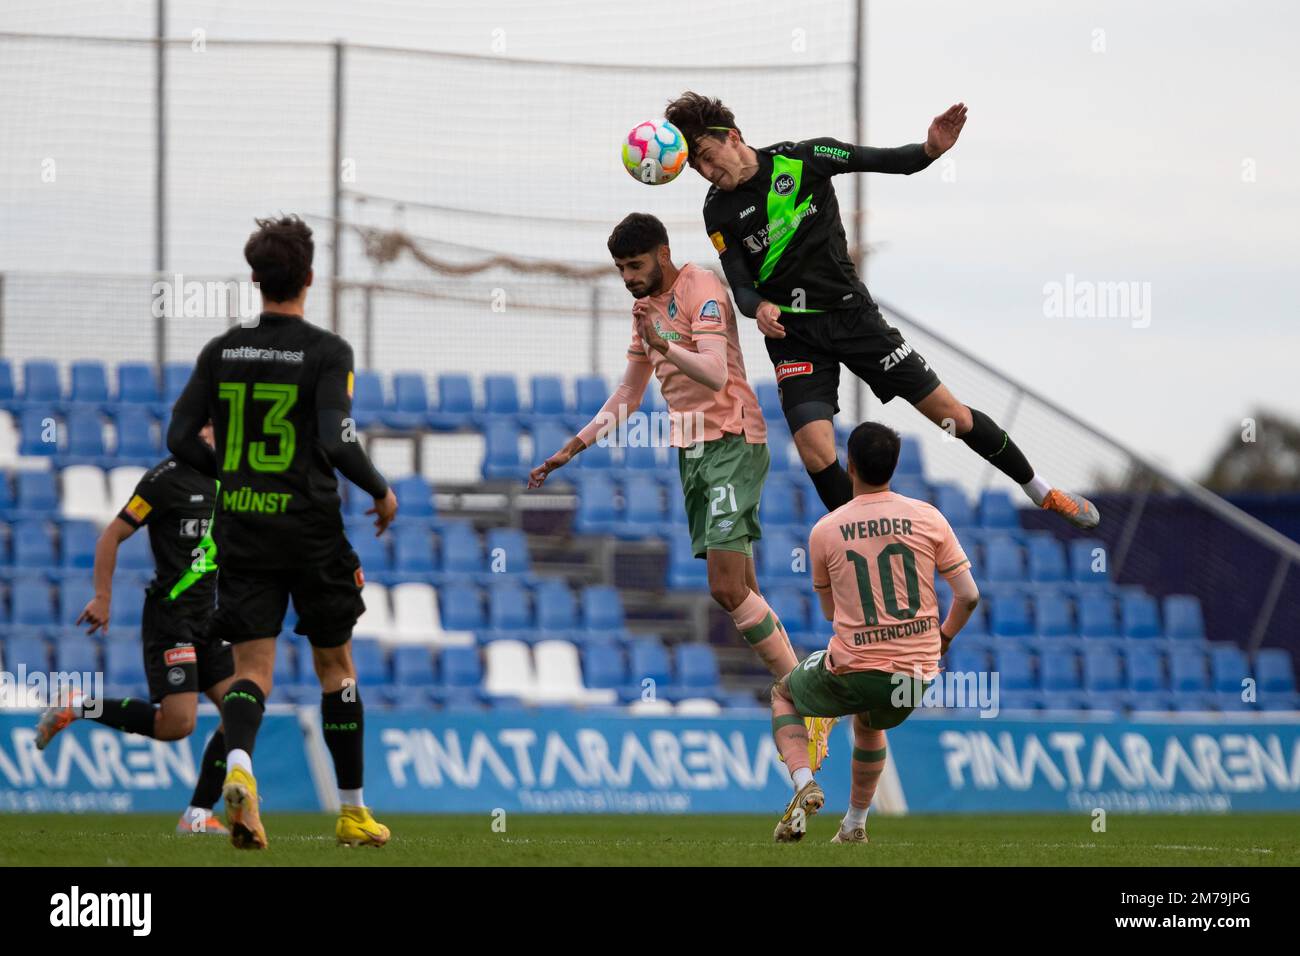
pixel 1036 488
pixel 802 777
pixel 855 818
pixel 240 759
pixel 351 798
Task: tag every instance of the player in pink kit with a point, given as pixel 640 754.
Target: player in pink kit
pixel 873 566
pixel 684 331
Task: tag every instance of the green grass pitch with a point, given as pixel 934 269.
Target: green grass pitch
pixel 307 840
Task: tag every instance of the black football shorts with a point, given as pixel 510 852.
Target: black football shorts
pixel 180 655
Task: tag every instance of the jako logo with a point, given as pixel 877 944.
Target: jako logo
pixel 134 910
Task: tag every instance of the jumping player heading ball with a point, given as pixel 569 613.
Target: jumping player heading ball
pixel 773 217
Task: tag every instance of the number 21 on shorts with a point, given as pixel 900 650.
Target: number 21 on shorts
pixel 720 497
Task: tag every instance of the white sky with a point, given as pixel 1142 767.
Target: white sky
pixel 1117 166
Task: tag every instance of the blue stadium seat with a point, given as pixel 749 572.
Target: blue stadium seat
pixel 1052 617
pixel 549 437
pixel 597 459
pixel 355 504
pixel 685 572
pixel 32 546
pixel 1004 562
pixel 176 375
pixel 368 659
pixel 1144 670
pixel 775 559
pixel 126 615
pixel 410 409
pixel 77 540
pixel 37 493
pixel 413 557
pixel 909 458
pixel 647 660
pixel 462 550
pixel 138 438
pixel 137 384
pixel 697 671
pixel 416 497
pixel 953 504
pixel 28 650
pixel 509 611
pixel 369 406
pixel 41 383
pixel 1011 617
pixel 791 609
pixel 604 667
pixel 1046 560
pixel 1228 668
pixel 507 553
pixel 966 660
pixel 501 397
pixel 1015 669
pixel 591 393
pixel 461 674
pixel 910 486
pixel 557 611
pixel 769 401
pixel 1097 616
pixel 780 449
pixel 1187 671
pixel 462 609
pixel 1183 619
pixel 779 505
pixel 602 612
pixel 376 560
pixel 75 593
pixel 547 399
pixel 7 394
pixel 641 457
pixel 1139 616
pixel 598 508
pixel 1082 558
pixel 455 403
pixel 123 665
pixel 31 604
pixel 645 515
pixel 76 655
pixel 85 439
pixel 997 511
pixel 1274 672
pixel 89 384
pixel 412 667
pixel 1103 671
pixel 501 457
pixel 37 438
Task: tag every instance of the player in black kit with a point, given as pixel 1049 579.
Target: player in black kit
pixel 181 660
pixel 774 219
pixel 279 393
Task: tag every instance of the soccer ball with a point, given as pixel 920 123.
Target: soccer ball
pixel 655 152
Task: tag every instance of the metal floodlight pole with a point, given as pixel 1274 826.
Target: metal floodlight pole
pixel 160 162
pixel 336 188
pixel 859 181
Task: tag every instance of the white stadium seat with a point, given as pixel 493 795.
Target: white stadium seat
pixel 559 676
pixel 8 441
pixel 509 670
pixel 699 707
pixel 377 621
pixel 650 708
pixel 85 495
pixel 121 485
pixel 416 618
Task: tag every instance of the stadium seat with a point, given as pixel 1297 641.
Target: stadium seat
pixel 416 619
pixel 462 609
pixel 1103 670
pixel 1082 558
pixel 77 540
pixel 7 393
pixel 369 406
pixel 501 459
pixel 775 559
pixel 176 375
pixel 509 670
pixel 85 439
pixel 591 393
pixel 121 484
pixel 462 551
pixel 685 571
pixel 123 665
pixel 1139 616
pixel 371 667
pixel 1010 617
pixel 640 457
pixel 32 546
pixel 416 497
pixel 647 661
pixel 85 494
pixel 1004 562
pixel 40 384
pixel 910 486
pixel 1228 669
pixel 76 655
pixel 1144 670
pixel 1183 619
pixel 377 619
pixel 1274 672
pixel 598 508
pixel 549 436
pixel 1097 616
pixel 376 560
pixel 137 384
pixel 1052 617
pixel 602 612
pixel 1059 672
pixel 603 667
pixel 791 610
pixel 510 614
pixel 31 605
pixel 910 463
pixel 507 554
pixel 89 385
pixel 137 437
pixel 1015 669
pixel 39 432
pixel 410 409
pixel 75 593
pixel 36 494
pixel 645 515
pixel 9 441
pixel 696 667
pixel 597 459
pixel 1187 671
pixel 557 611
pixel 546 394
pixel 997 511
pixel 780 506
pixel 559 677
pixel 501 398
pixel 954 505
pixel 412 667
pixel 455 403
pixel 413 555
pixel 1046 560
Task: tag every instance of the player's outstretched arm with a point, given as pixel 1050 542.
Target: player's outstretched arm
pixel 96 612
pixel 965 598
pixel 623 402
pixel 904 160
